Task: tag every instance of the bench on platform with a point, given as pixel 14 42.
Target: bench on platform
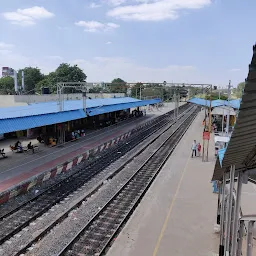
pixel 30 150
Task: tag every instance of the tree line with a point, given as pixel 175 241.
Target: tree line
pixel 35 80
pixel 238 91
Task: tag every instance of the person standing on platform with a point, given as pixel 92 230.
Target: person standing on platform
pixel 31 147
pixel 194 148
pixel 199 148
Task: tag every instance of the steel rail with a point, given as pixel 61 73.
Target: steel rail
pixel 21 218
pixel 115 212
pixel 108 152
pixel 39 236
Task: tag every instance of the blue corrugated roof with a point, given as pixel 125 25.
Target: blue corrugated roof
pixel 221 153
pixel 94 108
pixel 53 107
pixel 216 103
pixel 200 101
pixel 235 103
pixel 23 123
pixel 116 107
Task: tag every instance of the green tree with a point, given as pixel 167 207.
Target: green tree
pixel 194 91
pixel 117 85
pixel 135 92
pixel 43 83
pixel 32 76
pixel 65 73
pixel 215 96
pixel 7 85
pixel 153 90
pixel 96 89
pixel 239 90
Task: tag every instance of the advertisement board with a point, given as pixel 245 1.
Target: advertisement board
pixel 206 135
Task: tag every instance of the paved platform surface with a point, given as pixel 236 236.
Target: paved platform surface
pixel 248 196
pixel 19 167
pixel 248 206
pixel 178 213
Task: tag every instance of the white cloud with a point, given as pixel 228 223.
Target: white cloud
pixel 5 49
pixel 54 57
pixel 115 2
pixel 62 28
pixel 105 69
pixel 95 26
pixel 155 10
pixel 94 5
pixel 4 52
pixel 108 42
pixel 27 17
pixel 5 46
pixel 234 69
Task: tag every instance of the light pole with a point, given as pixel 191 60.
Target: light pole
pixel 228 116
pixel 206 90
pixel 81 86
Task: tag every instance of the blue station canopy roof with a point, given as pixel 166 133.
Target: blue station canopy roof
pixel 47 113
pixel 216 103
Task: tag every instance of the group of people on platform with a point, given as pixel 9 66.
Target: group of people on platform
pixel 196 149
pixel 19 148
pixel 77 134
pixel 52 140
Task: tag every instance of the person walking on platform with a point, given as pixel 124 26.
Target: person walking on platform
pixel 194 148
pixel 199 148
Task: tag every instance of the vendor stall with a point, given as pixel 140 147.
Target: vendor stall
pixel 220 143
pixel 219 116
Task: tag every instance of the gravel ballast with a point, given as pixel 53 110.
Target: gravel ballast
pixel 65 231
pixel 76 217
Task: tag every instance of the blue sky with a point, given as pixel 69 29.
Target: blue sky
pixel 193 41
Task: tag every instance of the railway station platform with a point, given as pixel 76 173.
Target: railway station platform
pixel 18 168
pixel 178 213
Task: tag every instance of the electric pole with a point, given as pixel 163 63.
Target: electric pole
pixel 228 116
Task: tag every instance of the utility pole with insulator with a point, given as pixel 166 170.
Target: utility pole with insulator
pixel 22 80
pixel 228 116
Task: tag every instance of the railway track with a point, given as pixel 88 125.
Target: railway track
pixel 97 235
pixel 20 217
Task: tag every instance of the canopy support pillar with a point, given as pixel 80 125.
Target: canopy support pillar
pixel 250 238
pixel 222 216
pixel 236 213
pixel 229 210
pixel 240 238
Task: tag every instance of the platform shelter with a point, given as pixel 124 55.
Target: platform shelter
pixel 49 118
pixel 234 168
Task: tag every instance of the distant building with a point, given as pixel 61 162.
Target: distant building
pixel 6 71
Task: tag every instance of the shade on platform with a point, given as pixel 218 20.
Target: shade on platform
pixel 241 150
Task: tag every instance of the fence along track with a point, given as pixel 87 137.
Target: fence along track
pixel 96 236
pixel 21 217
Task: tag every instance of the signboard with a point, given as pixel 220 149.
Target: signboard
pixel 6 71
pixel 206 135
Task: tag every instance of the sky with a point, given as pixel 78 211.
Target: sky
pixel 179 41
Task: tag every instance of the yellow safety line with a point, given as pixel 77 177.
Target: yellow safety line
pixel 170 210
